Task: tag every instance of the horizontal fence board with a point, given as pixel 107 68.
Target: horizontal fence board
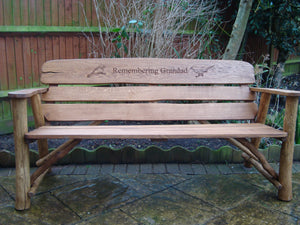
pixel 148 93
pixel 147 70
pixel 149 111
pixel 157 131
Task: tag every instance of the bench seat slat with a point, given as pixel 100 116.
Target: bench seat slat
pixel 148 93
pixel 253 130
pixel 149 111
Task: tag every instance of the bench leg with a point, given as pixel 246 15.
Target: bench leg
pixel 39 121
pixel 19 109
pixel 287 149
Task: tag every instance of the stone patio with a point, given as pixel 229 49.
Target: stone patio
pixel 152 194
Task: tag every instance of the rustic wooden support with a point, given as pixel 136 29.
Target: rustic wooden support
pixel 39 121
pixel 287 149
pixel 74 142
pixel 260 118
pixel 262 114
pixel 63 151
pixel 265 173
pixel 241 147
pixel 260 156
pixel 59 149
pixel 19 110
pixel 36 184
pixel 45 162
pixel 235 143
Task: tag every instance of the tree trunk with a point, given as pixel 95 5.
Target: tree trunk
pixel 238 29
pixel 283 56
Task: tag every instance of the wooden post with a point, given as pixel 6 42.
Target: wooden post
pixel 262 114
pixel 260 118
pixel 39 121
pixel 287 149
pixel 19 109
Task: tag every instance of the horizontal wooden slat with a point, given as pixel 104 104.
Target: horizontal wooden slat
pixel 274 91
pixel 26 93
pixel 147 70
pixel 148 93
pixel 157 131
pixel 149 111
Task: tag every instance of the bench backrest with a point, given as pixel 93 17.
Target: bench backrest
pixel 141 89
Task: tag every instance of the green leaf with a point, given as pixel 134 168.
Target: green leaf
pixel 119 45
pixel 132 21
pixel 115 30
pixel 125 49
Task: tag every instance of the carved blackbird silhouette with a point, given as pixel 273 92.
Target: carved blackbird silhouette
pixel 97 71
pixel 200 72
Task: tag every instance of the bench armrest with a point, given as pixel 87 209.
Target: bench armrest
pixel 276 91
pixel 27 93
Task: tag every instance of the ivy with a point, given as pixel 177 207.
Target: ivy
pixel 278 21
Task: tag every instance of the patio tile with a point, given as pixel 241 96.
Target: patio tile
pixel 112 217
pixel 251 213
pixel 8 215
pixel 222 191
pixel 4 196
pixel 96 195
pixel 271 202
pixel 170 207
pixel 45 209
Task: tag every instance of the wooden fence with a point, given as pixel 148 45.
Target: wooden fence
pixel 47 13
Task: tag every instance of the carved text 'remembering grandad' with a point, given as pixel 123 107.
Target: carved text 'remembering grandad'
pixel 150 71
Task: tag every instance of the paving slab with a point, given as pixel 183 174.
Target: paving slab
pixel 93 169
pixel 224 169
pixel 159 168
pixel 219 190
pixel 186 168
pixel 146 168
pixel 94 195
pixel 116 216
pixel 133 168
pixel 251 213
pixel 173 168
pixel 120 168
pixel 199 169
pixel 170 207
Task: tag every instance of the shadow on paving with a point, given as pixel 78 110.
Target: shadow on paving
pixel 162 198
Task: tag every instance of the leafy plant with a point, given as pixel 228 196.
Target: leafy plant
pixel 278 21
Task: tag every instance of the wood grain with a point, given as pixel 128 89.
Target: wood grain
pixel 19 106
pixel 148 93
pixel 26 93
pixel 156 131
pixel 149 111
pixel 147 70
pixel 276 91
pixel 287 149
pixel 39 121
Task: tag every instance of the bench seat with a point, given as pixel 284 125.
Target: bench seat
pixel 241 130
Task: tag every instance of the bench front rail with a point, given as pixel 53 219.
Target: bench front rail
pixel 145 89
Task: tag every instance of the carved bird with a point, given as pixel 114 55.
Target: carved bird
pixel 200 72
pixel 97 71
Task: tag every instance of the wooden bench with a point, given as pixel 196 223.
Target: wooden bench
pixel 149 90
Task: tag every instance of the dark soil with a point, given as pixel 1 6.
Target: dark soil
pixel 7 142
